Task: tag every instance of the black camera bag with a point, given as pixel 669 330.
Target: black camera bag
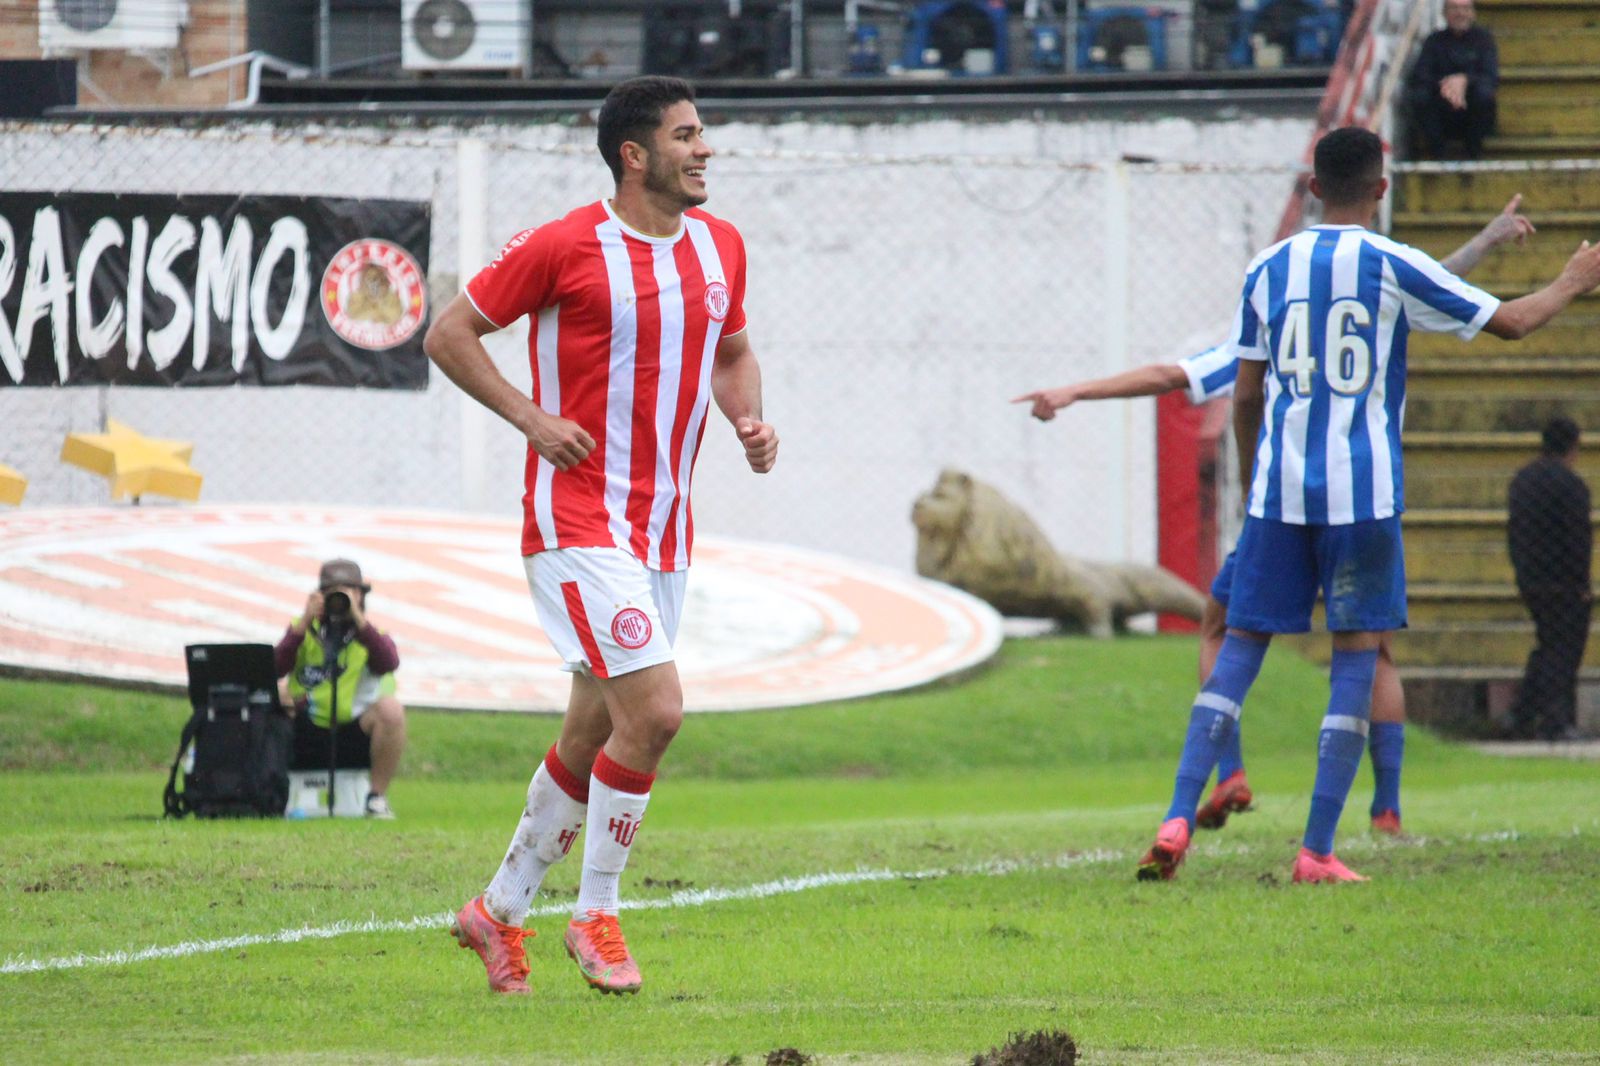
pixel 241 744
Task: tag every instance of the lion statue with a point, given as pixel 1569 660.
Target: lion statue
pixel 972 537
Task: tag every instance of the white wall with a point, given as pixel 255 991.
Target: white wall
pixel 906 280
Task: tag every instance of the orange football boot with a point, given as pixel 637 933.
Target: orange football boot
pixel 1231 796
pixel 1313 869
pixel 497 944
pixel 596 945
pixel 1161 862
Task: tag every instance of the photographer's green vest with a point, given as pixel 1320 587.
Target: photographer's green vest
pixel 359 687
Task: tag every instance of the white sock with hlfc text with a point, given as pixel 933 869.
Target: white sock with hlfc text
pixel 550 824
pixel 617 799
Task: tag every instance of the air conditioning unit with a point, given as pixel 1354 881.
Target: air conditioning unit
pixel 464 34
pixel 121 25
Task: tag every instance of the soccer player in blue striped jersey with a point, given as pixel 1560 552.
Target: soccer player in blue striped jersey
pixel 1209 375
pixel 1321 339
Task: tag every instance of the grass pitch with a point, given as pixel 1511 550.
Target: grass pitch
pixel 981 840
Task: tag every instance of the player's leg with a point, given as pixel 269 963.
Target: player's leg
pixel 1232 792
pixel 627 618
pixel 1274 586
pixel 646 709
pixel 1362 571
pixel 556 799
pixel 553 815
pixel 552 818
pixel 1386 745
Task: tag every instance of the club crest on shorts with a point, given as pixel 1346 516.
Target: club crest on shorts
pixel 718 300
pixel 631 628
pixel 373 294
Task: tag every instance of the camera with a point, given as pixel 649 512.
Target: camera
pixel 336 606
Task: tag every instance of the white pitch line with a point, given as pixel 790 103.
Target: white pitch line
pixel 698 897
pixel 683 898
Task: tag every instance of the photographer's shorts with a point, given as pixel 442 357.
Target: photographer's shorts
pixel 605 612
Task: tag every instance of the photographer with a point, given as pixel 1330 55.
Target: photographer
pixel 370 718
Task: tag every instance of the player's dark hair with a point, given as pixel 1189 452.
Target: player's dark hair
pixel 1348 164
pixel 1559 437
pixel 632 111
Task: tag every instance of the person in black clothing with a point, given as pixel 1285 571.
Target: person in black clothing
pixel 1551 542
pixel 1452 87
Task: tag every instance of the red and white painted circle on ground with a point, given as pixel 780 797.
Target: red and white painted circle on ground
pixel 117 593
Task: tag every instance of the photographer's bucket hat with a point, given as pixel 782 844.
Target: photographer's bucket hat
pixel 337 572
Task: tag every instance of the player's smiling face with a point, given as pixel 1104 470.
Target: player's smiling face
pixel 677 159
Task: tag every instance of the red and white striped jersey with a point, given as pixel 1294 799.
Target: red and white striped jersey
pixel 624 334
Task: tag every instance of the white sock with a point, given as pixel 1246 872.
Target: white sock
pixel 614 817
pixel 549 825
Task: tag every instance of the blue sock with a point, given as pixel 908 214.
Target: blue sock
pixel 1387 743
pixel 1232 760
pixel 1343 739
pixel 1214 720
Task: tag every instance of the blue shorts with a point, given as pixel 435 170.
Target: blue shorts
pixel 1360 569
pixel 1224 580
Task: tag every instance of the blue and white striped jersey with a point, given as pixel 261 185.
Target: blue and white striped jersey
pixel 1210 373
pixel 1329 309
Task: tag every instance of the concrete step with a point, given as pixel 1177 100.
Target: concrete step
pixel 1571 335
pixel 1547 149
pixel 1547 46
pixel 1535 262
pixel 1504 15
pixel 1474 371
pixel 1458 546
pixel 1473 410
pixel 1519 84
pixel 1444 547
pixel 1481 191
pixel 1494 645
pixel 1551 116
pixel 1430 603
pixel 1472 470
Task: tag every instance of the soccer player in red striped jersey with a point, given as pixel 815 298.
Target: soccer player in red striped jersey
pixel 637 324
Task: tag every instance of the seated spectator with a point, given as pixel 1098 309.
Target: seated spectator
pixel 1452 87
pixel 360 691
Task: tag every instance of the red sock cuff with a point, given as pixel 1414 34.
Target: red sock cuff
pixel 565 779
pixel 613 774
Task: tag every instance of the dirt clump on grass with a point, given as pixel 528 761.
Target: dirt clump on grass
pixel 1038 1048
pixel 788 1056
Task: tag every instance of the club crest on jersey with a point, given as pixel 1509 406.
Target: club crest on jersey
pixel 718 301
pixel 373 294
pixel 631 628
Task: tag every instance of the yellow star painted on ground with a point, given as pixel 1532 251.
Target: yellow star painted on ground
pixel 12 485
pixel 135 464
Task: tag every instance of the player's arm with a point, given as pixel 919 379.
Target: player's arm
pixel 1154 380
pixel 455 344
pixel 736 384
pixel 1517 318
pixel 1506 226
pixel 1249 403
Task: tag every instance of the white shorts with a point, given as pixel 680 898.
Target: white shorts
pixel 605 612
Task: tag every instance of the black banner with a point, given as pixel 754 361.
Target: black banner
pixel 142 289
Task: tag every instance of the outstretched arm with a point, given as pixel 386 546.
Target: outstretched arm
pixel 1517 318
pixel 736 384
pixel 1506 226
pixel 1153 380
pixel 455 344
